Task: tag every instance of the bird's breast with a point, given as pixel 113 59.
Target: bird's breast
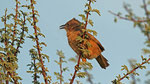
pixel 94 49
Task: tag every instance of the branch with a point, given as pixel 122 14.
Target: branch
pixel 14 30
pixel 87 15
pixel 61 71
pixel 21 37
pixel 71 82
pixel 146 61
pixel 131 19
pixel 146 11
pixel 5 41
pixel 147 16
pixel 37 43
pixel 132 75
pixel 35 74
pixel 5 20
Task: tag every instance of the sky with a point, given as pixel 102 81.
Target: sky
pixel 120 40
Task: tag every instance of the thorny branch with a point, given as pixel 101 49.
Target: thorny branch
pixel 132 75
pixel 134 69
pixel 37 44
pixel 131 19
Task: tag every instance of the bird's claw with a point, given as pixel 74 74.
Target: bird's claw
pixel 77 67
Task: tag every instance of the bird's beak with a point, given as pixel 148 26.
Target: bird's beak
pixel 62 27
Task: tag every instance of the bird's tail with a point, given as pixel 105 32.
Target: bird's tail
pixel 102 61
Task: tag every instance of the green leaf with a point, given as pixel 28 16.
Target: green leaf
pixel 90 22
pixel 81 74
pixel 73 60
pixel 31 37
pixel 97 11
pixel 38 29
pixel 30 72
pixel 82 16
pixel 1 49
pixel 115 20
pixel 79 38
pixel 60 54
pixel 125 68
pixel 92 31
pixel 127 77
pixel 86 5
pixel 86 65
pixel 93 1
pixel 57 62
pixel 146 51
pixel 65 69
pixel 47 57
pixel 42 43
pixel 56 73
pixel 40 34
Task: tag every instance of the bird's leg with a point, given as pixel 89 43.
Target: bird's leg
pixel 83 59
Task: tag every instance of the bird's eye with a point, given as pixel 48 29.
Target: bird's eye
pixel 67 24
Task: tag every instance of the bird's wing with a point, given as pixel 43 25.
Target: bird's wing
pixel 95 40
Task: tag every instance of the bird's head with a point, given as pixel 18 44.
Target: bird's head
pixel 73 24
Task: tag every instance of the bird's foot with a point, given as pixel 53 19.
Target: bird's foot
pixel 77 67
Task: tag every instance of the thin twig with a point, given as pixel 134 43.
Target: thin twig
pixel 61 71
pixel 5 41
pixel 37 43
pixel 71 82
pixel 87 15
pixel 5 20
pixel 21 37
pixel 132 75
pixel 146 10
pixel 35 74
pixel 131 19
pixel 14 30
pixel 147 16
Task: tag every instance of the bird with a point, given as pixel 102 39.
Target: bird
pixel 74 29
